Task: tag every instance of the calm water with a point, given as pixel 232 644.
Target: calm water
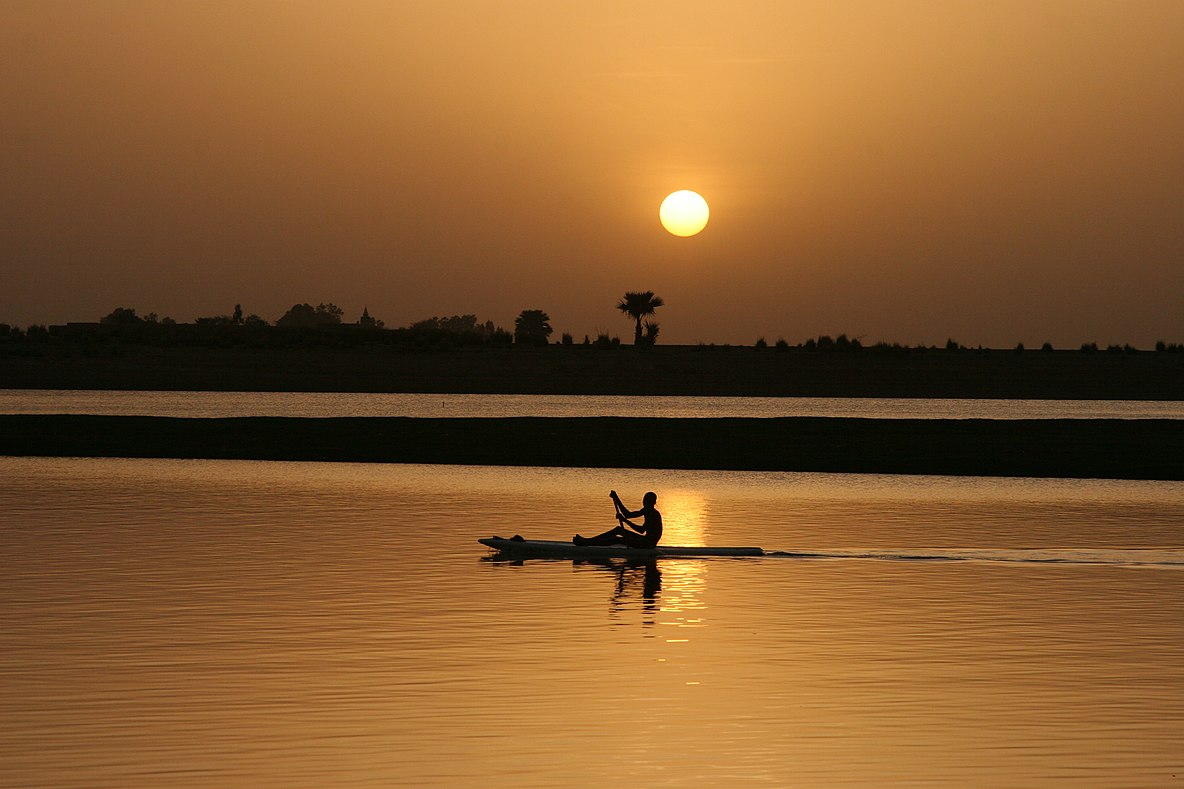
pixel 247 624
pixel 323 404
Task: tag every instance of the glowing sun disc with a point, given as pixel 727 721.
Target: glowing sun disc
pixel 684 213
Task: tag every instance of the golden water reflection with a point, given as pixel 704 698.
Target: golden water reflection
pixel 684 517
pixel 669 592
pixel 238 624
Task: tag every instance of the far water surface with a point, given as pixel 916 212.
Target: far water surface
pixel 250 624
pixel 337 404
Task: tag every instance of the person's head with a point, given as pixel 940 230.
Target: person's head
pixel 649 499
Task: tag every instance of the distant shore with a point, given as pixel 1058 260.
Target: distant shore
pixel 1120 449
pixel 574 370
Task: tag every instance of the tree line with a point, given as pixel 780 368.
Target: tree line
pixel 324 325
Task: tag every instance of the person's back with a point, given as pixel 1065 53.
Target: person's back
pixel 651 522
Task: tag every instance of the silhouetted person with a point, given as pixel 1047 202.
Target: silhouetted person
pixel 645 535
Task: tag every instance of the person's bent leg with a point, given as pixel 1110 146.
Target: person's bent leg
pixel 613 536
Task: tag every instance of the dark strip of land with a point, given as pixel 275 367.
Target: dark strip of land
pixel 1120 449
pixel 664 370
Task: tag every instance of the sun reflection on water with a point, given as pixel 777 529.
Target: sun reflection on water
pixel 683 584
pixel 684 517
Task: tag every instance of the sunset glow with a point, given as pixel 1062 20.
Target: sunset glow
pixel 889 170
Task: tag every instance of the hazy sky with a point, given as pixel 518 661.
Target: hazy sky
pixel 906 171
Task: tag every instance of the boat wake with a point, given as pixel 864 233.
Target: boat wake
pixel 1149 557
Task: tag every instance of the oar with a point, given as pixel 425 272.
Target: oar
pixel 617 507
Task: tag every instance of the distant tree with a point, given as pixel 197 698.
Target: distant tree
pixel 1046 347
pixel 781 344
pixel 761 344
pixel 308 316
pixel 567 339
pixel 252 320
pixel 121 316
pixel 237 317
pixel 328 314
pixel 1019 347
pixel 952 345
pixel 1089 347
pixel 456 324
pixel 532 327
pixel 299 315
pixel 637 306
pixel 458 329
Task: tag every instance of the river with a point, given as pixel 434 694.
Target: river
pixel 242 624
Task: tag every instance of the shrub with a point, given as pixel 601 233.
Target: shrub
pixel 761 344
pixel 604 341
pixel 782 345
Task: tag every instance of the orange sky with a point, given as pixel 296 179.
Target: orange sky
pixel 906 171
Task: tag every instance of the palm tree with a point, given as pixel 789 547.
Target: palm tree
pixel 637 306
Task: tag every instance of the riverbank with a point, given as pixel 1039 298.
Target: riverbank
pixel 555 369
pixel 1119 449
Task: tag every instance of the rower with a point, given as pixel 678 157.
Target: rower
pixel 643 535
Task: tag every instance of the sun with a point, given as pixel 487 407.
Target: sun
pixel 684 213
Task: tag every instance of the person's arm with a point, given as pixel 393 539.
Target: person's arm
pixel 623 513
pixel 622 519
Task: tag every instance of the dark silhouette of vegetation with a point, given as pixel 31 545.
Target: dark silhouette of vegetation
pixel 825 343
pixel 638 305
pixel 604 342
pixel 307 316
pixel 532 327
pixel 442 334
pixel 121 316
pixel 323 326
